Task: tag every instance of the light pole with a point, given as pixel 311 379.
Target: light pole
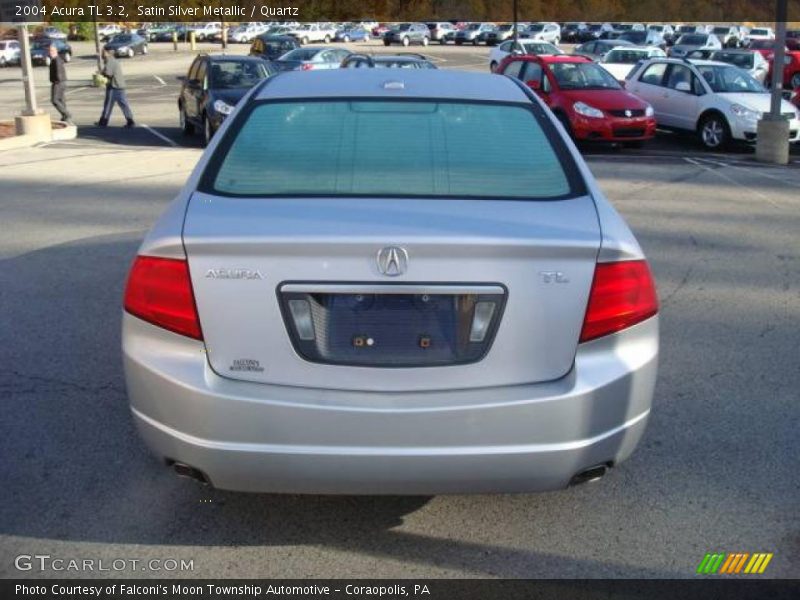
pixel 27 72
pixel 516 24
pixel 96 29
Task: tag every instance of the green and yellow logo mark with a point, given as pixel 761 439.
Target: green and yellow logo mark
pixel 734 563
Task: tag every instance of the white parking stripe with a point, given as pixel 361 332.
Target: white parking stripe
pixel 753 171
pixel 159 135
pixel 78 89
pixel 716 172
pixel 159 80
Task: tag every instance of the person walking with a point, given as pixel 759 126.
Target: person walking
pixel 58 84
pixel 115 91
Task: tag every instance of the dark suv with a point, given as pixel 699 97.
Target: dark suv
pixel 212 88
pixel 407 34
pixel 40 50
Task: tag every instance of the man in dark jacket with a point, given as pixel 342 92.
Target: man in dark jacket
pixel 58 84
pixel 115 91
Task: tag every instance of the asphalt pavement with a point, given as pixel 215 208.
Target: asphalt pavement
pixel 716 470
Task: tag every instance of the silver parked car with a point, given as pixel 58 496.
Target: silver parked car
pixel 311 58
pixel 319 311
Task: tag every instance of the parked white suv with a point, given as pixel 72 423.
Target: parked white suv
pixel 544 32
pixel 204 31
pixel 759 33
pixel 9 52
pixel 314 32
pixel 717 100
pixel 107 31
pixel 247 32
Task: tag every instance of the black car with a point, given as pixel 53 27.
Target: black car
pixel 272 47
pixel 634 37
pixel 793 39
pixel 595 31
pixel 387 61
pixel 40 50
pixel 165 35
pixel 213 86
pixel 572 32
pixel 127 44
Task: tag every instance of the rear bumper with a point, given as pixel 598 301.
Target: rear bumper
pixel 264 438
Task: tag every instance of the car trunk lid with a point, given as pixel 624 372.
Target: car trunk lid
pixel 535 259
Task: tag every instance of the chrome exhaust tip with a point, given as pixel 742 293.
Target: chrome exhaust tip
pixel 189 472
pixel 594 473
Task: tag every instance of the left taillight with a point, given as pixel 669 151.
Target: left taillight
pixel 159 291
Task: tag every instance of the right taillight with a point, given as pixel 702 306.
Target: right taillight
pixel 159 291
pixel 623 294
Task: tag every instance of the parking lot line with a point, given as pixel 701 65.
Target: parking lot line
pixel 159 80
pixel 716 172
pixel 159 135
pixel 753 171
pixel 77 89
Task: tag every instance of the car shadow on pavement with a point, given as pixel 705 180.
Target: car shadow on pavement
pixel 116 134
pixel 75 469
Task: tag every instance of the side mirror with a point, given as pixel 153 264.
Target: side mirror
pixel 683 86
pixel 534 84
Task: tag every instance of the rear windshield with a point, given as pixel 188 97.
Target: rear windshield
pixel 693 40
pixel 232 74
pixel 386 148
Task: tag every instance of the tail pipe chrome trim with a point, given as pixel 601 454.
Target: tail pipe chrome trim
pixel 184 470
pixel 594 473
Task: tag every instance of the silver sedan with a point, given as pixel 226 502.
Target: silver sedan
pixel 320 311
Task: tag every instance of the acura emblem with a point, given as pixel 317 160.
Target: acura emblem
pixel 392 261
pixel 628 113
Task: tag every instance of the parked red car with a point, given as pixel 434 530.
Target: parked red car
pixel 379 30
pixel 586 98
pixel 791 70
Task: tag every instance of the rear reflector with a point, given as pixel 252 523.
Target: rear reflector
pixel 623 294
pixel 159 290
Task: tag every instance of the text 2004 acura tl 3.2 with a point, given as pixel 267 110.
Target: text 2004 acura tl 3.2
pixel 391 284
